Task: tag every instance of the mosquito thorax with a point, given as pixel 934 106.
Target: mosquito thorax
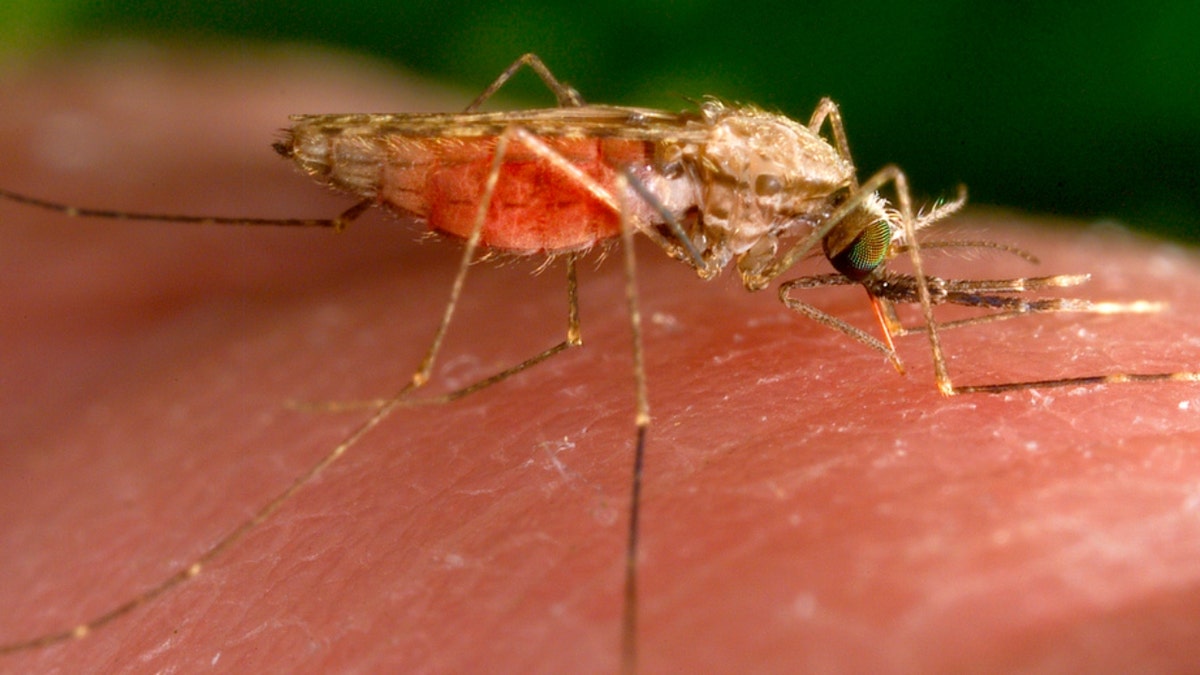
pixel 762 175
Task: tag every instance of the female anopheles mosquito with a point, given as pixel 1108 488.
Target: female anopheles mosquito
pixel 623 124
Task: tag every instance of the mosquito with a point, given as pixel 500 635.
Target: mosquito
pixel 717 186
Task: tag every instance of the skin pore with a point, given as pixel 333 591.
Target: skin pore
pixel 805 507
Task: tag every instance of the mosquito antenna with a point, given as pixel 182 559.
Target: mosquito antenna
pixel 992 245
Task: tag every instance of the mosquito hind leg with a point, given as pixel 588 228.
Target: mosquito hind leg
pixel 339 223
pixel 383 411
pixel 566 95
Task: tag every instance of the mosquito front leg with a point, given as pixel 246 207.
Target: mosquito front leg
pixel 895 176
pixel 944 383
pixel 811 312
pixel 567 96
pixel 888 174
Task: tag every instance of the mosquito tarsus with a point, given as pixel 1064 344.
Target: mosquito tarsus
pixel 718 186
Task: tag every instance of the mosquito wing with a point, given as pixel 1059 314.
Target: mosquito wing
pixel 595 121
pixel 435 166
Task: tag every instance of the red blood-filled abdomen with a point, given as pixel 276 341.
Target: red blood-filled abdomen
pixel 536 206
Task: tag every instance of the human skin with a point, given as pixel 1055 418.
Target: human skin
pixel 806 509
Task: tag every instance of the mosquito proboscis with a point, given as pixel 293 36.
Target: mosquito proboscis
pixel 694 183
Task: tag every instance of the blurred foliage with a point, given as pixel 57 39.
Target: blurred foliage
pixel 1090 110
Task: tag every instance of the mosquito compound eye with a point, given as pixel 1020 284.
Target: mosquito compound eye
pixel 767 184
pixel 865 253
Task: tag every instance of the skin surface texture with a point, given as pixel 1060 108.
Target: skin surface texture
pixel 806 508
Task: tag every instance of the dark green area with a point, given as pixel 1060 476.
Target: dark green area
pixel 1087 110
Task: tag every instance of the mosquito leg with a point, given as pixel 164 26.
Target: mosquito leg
pixel 402 397
pixel 574 339
pixel 685 250
pixel 567 169
pixel 338 223
pixel 642 420
pixel 941 373
pixel 888 174
pixel 421 376
pixel 904 202
pixel 642 414
pixel 225 543
pixel 807 310
pixel 828 110
pixel 567 96
pixel 391 404
pixel 1087 380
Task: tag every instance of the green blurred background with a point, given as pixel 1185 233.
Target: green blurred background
pixel 1087 110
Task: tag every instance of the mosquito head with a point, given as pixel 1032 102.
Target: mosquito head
pixel 863 240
